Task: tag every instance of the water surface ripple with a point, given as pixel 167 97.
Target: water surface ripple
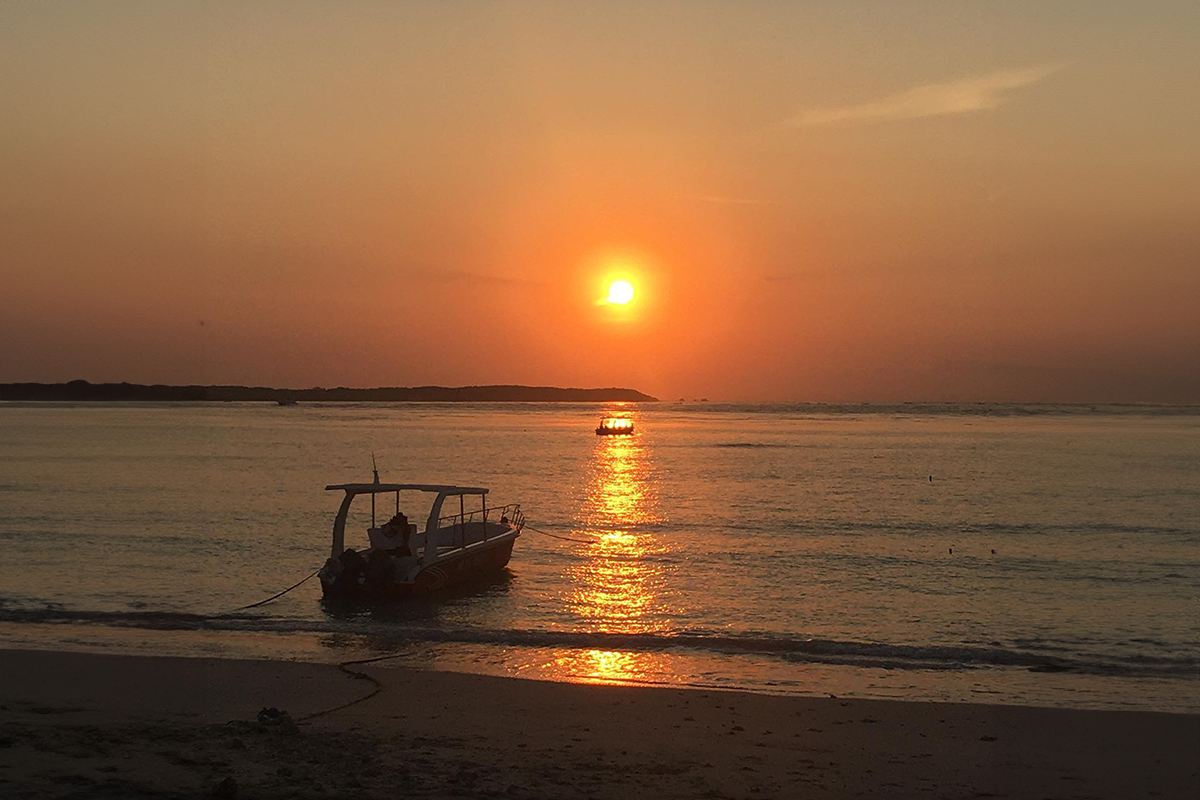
pixel 1035 554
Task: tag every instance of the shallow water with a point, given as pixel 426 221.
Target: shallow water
pixel 1025 554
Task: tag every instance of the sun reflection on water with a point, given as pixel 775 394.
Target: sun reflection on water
pixel 603 666
pixel 619 587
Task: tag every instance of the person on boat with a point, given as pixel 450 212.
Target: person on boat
pixel 397 529
pixel 394 525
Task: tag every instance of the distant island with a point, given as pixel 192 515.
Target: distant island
pixel 82 390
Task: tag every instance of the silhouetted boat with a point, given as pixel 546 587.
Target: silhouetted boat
pixel 615 426
pixel 401 561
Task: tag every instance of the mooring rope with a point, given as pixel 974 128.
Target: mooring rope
pixel 269 599
pixel 344 667
pixel 314 572
pixel 557 536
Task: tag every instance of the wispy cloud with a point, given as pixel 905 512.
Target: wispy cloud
pixel 727 201
pixel 475 278
pixel 961 96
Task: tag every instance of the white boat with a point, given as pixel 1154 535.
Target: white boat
pixel 399 560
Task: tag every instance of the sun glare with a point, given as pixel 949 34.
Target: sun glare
pixel 621 292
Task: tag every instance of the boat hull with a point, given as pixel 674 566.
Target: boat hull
pixel 464 566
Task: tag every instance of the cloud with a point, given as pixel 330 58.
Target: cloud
pixel 726 201
pixel 961 96
pixel 474 278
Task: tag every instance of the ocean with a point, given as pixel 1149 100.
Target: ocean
pixel 1035 555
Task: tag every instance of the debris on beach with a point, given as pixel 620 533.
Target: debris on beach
pixel 274 719
pixel 270 720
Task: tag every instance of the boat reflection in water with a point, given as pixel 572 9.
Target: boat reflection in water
pixel 619 588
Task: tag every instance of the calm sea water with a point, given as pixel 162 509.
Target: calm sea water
pixel 1040 555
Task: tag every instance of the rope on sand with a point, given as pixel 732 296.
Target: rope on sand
pixel 345 667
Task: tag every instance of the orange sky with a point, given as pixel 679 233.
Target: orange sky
pixel 815 201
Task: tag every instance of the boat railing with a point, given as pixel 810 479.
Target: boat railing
pixel 510 513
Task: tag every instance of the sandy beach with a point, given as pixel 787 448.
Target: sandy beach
pixel 85 725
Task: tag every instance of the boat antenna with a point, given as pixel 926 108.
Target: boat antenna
pixel 375 471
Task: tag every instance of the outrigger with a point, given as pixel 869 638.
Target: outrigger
pixel 400 561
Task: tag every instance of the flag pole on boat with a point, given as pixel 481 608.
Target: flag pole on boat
pixel 375 472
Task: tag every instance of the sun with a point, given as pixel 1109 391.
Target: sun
pixel 620 293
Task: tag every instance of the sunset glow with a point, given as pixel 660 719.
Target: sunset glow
pixel 812 208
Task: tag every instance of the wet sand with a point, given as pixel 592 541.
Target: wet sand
pixel 84 725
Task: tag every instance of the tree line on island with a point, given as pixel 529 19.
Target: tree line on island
pixel 83 391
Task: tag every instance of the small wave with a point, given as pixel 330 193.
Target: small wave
pixel 795 649
pixel 1000 528
pixel 748 445
pixel 151 620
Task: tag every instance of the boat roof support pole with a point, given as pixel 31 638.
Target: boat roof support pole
pixel 431 531
pixel 339 527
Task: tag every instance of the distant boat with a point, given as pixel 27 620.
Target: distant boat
pixel 615 426
pixel 400 561
pixel 285 401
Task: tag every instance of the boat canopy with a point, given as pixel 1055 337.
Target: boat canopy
pixel 353 490
pixel 381 488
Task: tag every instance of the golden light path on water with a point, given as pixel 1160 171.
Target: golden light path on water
pixel 619 586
